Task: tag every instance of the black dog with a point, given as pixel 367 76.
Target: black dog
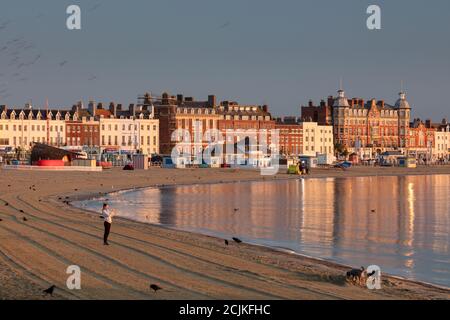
pixel 356 275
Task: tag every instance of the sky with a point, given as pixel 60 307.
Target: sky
pixel 281 53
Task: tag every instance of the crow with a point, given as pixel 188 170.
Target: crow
pixel 226 242
pixel 49 291
pixel 236 209
pixel 373 210
pixel 155 287
pixel 6 204
pixel 25 219
pixel 237 240
pixel 21 211
pixel 1 220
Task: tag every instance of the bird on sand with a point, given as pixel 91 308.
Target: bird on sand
pixel 49 291
pixel 6 204
pixel 236 209
pixel 237 240
pixel 24 219
pixel 155 287
pixel 1 220
pixel 373 210
pixel 226 242
pixel 21 211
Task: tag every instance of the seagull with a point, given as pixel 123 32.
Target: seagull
pixel 155 287
pixel 95 7
pixel 49 291
pixel 237 240
pixel 226 24
pixel 63 63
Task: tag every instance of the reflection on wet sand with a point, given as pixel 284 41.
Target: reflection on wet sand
pixel 399 223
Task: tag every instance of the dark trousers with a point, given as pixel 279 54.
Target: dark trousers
pixel 107 229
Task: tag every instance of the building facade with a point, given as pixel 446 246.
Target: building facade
pixel 441 150
pixel 421 141
pixel 84 132
pixel 20 128
pixel 177 114
pixel 374 125
pixel 317 139
pixel 290 137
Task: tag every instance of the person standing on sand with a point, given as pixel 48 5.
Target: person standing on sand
pixel 107 215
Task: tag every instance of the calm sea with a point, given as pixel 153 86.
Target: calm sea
pixel 401 224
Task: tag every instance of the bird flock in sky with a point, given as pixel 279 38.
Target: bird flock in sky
pixel 18 55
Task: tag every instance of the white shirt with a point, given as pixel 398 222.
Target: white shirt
pixel 107 215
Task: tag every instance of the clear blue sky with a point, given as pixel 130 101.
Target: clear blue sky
pixel 282 53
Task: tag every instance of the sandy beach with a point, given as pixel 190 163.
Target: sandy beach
pixel 35 254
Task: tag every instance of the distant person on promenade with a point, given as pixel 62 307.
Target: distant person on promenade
pixel 107 215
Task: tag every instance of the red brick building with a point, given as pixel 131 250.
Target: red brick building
pixel 421 140
pixel 290 136
pixel 177 112
pixel 82 132
pixel 322 114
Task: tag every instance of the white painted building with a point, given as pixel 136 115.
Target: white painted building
pixel 22 127
pixel 441 148
pixel 317 139
pixel 129 134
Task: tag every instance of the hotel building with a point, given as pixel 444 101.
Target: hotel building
pixel 361 126
pixel 20 128
pixel 176 112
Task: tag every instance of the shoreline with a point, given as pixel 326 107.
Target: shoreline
pixel 296 276
pixel 287 251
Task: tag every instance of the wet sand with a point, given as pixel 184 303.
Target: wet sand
pixel 36 253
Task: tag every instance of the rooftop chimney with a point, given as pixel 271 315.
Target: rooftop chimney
pixel 92 108
pixel 132 110
pixel 212 100
pixel 113 109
